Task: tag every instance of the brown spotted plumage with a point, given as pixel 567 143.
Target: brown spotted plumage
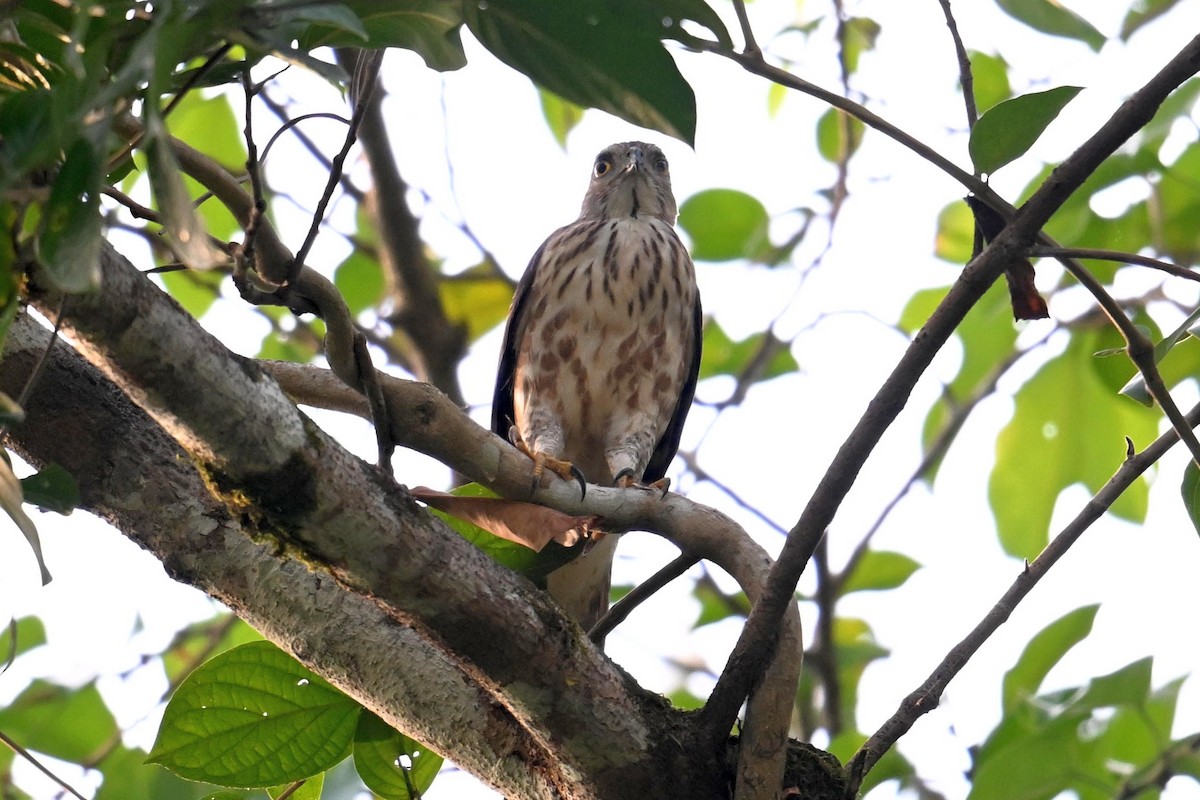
pixel 602 348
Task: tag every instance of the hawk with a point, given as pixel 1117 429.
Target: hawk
pixel 602 349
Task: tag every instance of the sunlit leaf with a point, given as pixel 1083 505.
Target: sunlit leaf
pixel 1043 652
pixel 195 290
pixel 1049 16
pixel 1128 686
pixel 1006 131
pixel 1036 765
pixel 955 238
pixel 561 115
pixel 360 280
pixel 1176 206
pixel 1190 489
pixel 477 299
pixel 19 636
pixel 1069 427
pixel 392 765
pixel 723 356
pixel 858 36
pixel 838 135
pixel 724 224
pixel 309 789
pixel 990 77
pixel 878 570
pixel 596 54
pixel 254 699
pixel 716 605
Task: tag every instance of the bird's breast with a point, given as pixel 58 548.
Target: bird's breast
pixel 608 335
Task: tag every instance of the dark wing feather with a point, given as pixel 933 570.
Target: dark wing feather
pixel 502 398
pixel 668 445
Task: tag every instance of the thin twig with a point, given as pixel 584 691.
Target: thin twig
pixel 25 754
pixel 926 698
pixel 936 452
pixel 750 45
pixel 1117 256
pixel 259 207
pixel 639 594
pixel 965 77
pixel 363 84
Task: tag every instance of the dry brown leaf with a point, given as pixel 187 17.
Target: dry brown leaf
pixel 524 523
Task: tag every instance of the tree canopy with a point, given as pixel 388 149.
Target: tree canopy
pixel 967 271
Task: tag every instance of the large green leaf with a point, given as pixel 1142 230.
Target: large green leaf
pixel 71 724
pixel 725 224
pixel 1069 427
pixel 1007 130
pixel 430 28
pixel 392 765
pixel 1049 16
pixel 1036 765
pixel 253 716
pixel 1042 652
pixel 596 54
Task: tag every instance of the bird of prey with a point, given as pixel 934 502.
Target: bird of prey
pixel 602 349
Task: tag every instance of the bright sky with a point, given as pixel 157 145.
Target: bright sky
pixel 514 185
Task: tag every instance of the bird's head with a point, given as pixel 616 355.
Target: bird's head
pixel 630 179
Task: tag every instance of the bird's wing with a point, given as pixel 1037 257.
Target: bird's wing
pixel 668 444
pixel 502 398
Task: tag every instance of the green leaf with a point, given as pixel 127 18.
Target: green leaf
pixel 1190 489
pixel 392 765
pixel 1143 12
pixel 723 356
pixel 52 489
pixel 429 28
pixel 69 242
pixel 1069 426
pixel 11 498
pixel 254 716
pixel 725 224
pixel 561 115
pixel 19 636
pixel 195 290
pixel 1175 205
pixel 1034 766
pixel 360 280
pixel 838 135
pixel 477 299
pixel 188 236
pixel 858 36
pixel 1050 17
pixel 878 570
pixel 1045 650
pixel 309 789
pixel 1128 686
pixel 955 238
pixel 127 775
pixel 716 605
pixel 606 55
pixel 36 720
pixel 1006 131
pixel 990 77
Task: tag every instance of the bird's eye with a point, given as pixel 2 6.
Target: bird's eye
pixel 661 165
pixel 602 167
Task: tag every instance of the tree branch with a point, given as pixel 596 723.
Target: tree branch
pixel 755 643
pixel 926 697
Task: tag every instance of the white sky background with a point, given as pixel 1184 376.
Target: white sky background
pixel 514 185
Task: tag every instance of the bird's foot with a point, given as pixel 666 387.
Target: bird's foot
pixel 543 461
pixel 626 480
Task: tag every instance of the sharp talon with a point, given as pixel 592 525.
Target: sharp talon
pixel 577 473
pixel 625 479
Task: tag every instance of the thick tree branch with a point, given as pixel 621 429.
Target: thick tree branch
pixel 755 644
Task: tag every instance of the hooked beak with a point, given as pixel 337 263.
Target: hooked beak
pixel 635 159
